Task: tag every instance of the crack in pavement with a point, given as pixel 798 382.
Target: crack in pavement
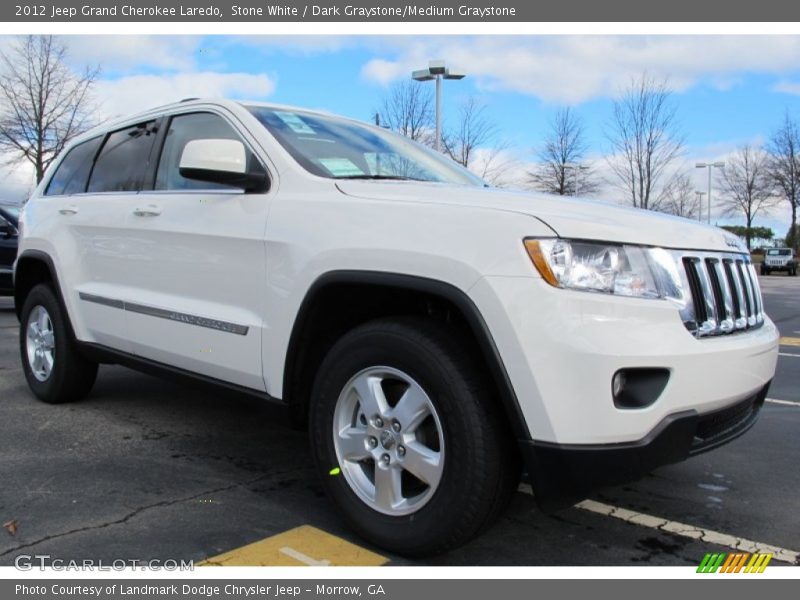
pixel 137 511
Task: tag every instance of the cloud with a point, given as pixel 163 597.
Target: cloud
pixel 16 181
pixel 298 44
pixel 118 53
pixel 787 87
pixel 574 69
pixel 138 92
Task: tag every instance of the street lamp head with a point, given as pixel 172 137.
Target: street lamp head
pixel 453 75
pixel 422 75
pixel 719 164
pixel 701 165
pixel 437 67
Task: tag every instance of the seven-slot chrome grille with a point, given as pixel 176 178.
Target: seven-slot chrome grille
pixel 723 293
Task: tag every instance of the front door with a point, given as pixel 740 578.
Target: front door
pixel 195 265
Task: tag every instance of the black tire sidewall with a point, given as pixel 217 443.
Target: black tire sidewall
pixel 49 390
pixel 445 389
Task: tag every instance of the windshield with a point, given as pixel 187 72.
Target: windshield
pixel 781 252
pixel 340 149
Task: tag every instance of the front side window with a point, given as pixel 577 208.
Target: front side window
pixel 123 159
pixel 73 171
pixel 341 149
pixel 182 130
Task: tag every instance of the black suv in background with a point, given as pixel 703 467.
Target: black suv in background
pixel 9 221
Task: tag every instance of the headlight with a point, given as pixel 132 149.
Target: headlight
pixel 602 267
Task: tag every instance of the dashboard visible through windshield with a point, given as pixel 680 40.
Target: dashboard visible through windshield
pixel 337 148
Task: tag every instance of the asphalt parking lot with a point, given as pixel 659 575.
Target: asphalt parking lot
pixel 146 469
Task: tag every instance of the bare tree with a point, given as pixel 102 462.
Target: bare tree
pixel 473 143
pixel 472 131
pixel 45 104
pixel 644 139
pixel 784 167
pixel 559 170
pixel 408 110
pixel 496 165
pixel 746 185
pixel 678 197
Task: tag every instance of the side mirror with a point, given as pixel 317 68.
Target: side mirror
pixel 7 230
pixel 221 161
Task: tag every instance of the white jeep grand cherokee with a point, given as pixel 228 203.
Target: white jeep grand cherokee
pixel 438 337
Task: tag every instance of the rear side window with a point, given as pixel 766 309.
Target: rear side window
pixel 73 171
pixel 183 129
pixel 123 159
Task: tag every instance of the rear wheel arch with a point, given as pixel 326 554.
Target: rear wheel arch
pixel 366 295
pixel 32 268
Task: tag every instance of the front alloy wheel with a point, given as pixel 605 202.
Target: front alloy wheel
pixel 407 436
pixel 389 441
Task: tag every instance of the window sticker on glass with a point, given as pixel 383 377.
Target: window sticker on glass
pixel 340 167
pixel 295 123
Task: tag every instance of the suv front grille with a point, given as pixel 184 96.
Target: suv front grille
pixel 724 296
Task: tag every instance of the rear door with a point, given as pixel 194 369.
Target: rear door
pixel 195 266
pixel 86 199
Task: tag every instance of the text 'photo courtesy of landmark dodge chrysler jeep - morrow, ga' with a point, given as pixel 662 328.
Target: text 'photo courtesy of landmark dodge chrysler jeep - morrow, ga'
pixel 439 338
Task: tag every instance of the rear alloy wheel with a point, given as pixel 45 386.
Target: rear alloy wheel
pixel 40 343
pixel 407 436
pixel 55 369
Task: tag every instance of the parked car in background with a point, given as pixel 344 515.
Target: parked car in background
pixel 779 259
pixel 433 334
pixel 9 221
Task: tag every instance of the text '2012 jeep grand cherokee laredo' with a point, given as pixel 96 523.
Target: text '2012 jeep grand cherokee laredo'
pixel 438 336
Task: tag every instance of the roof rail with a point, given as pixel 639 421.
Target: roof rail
pixel 189 99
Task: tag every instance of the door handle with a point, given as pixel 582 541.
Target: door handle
pixel 150 210
pixel 69 210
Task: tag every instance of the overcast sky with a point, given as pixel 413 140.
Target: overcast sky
pixel 729 90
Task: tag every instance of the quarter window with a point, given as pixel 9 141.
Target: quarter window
pixel 123 159
pixel 183 129
pixel 73 171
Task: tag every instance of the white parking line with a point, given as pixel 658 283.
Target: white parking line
pixel 787 354
pixel 697 533
pixel 784 402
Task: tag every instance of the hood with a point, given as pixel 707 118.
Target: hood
pixel 567 216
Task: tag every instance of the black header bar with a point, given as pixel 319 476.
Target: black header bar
pixel 707 11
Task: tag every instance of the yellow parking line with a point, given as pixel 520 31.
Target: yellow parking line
pixel 790 341
pixel 303 545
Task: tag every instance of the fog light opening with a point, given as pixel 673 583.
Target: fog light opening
pixel 618 383
pixel 638 387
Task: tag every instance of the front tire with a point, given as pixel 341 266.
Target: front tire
pixel 406 415
pixel 54 368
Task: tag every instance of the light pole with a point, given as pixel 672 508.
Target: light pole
pixel 709 166
pixel 575 170
pixel 437 71
pixel 700 204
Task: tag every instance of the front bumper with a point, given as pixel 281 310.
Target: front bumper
pixel 561 349
pixel 562 475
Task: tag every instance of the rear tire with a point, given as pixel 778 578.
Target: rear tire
pixel 55 369
pixel 366 377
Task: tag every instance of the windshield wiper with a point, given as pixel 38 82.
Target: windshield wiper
pixel 394 177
